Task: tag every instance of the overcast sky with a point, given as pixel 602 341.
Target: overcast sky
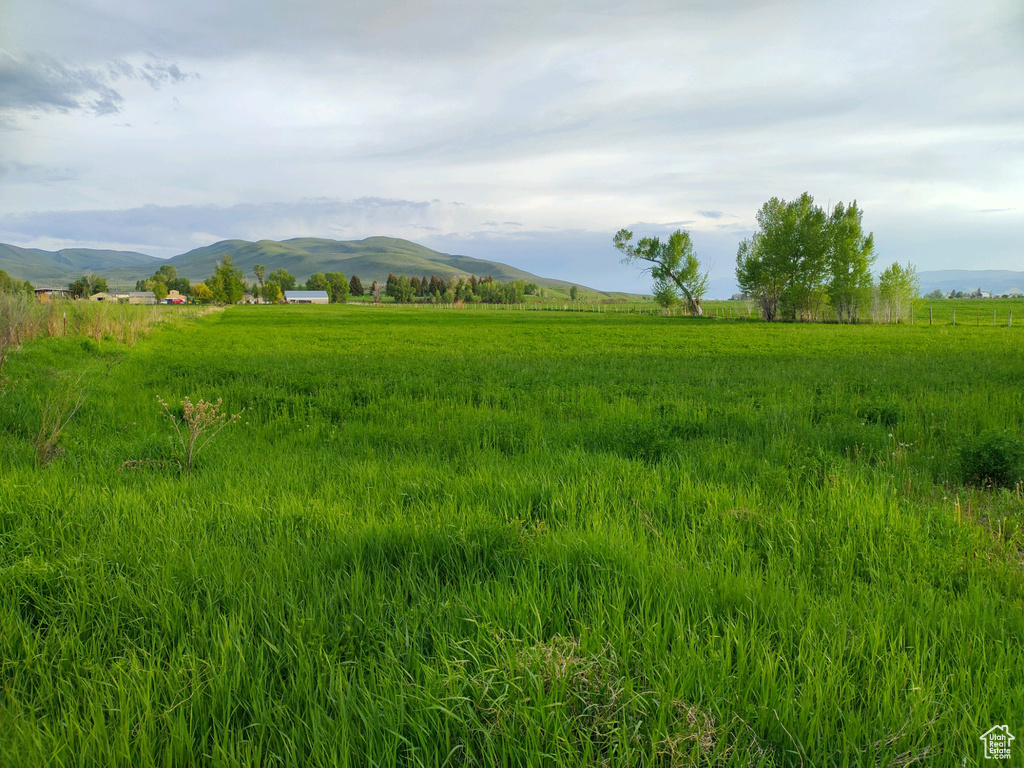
pixel 526 131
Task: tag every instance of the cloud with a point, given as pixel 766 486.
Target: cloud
pixel 35 173
pixel 154 73
pixel 167 230
pixel 46 84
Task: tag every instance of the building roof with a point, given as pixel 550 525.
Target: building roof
pixel 289 295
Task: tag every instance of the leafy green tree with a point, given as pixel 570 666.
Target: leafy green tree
pixel 285 280
pixel 574 293
pixel 337 287
pixel 260 271
pixel 316 282
pixel 355 286
pixel 936 294
pixel 87 285
pixel 166 273
pixel 402 290
pixel 226 282
pixel 850 256
pixel 272 292
pixel 389 286
pixel 666 295
pixel 672 263
pixel 784 265
pixel 201 292
pixel 463 291
pixel 160 290
pixel 11 285
pixel 897 288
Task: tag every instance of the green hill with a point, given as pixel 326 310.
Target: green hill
pixel 40 266
pixel 371 259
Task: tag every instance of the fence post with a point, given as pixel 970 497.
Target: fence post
pixel 911 315
pixel 930 316
pixel 993 317
pixel 1009 323
pixel 954 316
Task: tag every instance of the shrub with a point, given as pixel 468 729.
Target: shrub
pixel 994 458
pixel 195 425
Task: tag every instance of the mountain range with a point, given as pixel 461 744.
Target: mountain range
pixel 34 265
pixel 998 282
pixel 371 259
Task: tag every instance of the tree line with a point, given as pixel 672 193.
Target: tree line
pixel 12 285
pixel 227 285
pixel 486 290
pixel 799 262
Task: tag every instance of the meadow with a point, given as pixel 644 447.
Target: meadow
pixel 441 537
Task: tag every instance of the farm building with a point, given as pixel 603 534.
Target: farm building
pixel 175 297
pixel 49 294
pixel 306 297
pixel 101 296
pixel 136 297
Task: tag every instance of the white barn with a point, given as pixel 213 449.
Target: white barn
pixel 306 297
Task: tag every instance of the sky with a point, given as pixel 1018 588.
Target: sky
pixel 527 131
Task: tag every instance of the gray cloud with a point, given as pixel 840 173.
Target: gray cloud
pixel 46 84
pixel 50 86
pixel 167 230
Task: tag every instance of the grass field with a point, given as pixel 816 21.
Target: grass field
pixel 513 538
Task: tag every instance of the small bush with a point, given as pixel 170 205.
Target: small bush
pixel 993 458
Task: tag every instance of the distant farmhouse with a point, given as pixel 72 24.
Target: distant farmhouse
pixel 49 294
pixel 306 297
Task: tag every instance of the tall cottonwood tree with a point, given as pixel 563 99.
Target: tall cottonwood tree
pixel 260 271
pixel 783 266
pixel 226 283
pixel 800 257
pixel 337 286
pixel 851 254
pixel 673 265
pixel 285 280
pixel 897 288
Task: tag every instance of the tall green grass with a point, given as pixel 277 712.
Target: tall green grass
pixel 514 538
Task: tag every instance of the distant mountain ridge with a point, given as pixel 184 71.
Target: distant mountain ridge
pixel 996 281
pixel 372 259
pixel 34 265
